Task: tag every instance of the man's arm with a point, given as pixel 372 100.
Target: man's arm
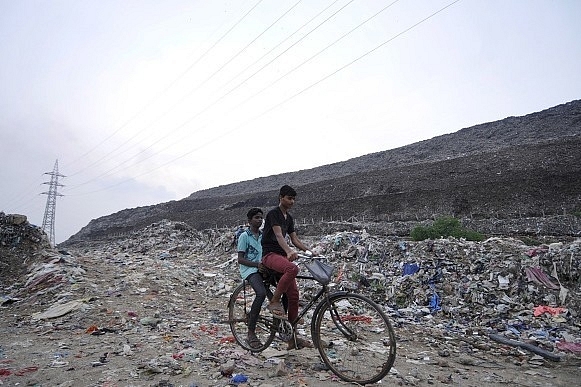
pixel 297 242
pixel 290 253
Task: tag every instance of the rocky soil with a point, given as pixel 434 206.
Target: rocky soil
pixel 147 309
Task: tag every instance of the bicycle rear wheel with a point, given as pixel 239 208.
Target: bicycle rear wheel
pixel 354 337
pixel 238 313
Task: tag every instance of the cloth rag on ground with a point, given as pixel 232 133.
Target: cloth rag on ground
pixel 541 309
pixel 569 347
pixel 536 275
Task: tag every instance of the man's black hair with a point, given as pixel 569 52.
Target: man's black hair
pixel 253 211
pixel 287 190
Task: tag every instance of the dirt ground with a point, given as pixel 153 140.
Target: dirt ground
pixel 134 321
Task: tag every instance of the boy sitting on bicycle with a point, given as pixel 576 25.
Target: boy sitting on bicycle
pixel 277 255
pixel 249 258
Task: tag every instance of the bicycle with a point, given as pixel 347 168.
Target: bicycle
pixel 352 334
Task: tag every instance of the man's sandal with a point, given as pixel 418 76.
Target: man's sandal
pixel 253 342
pixel 277 311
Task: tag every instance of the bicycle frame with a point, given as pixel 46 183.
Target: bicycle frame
pixel 324 290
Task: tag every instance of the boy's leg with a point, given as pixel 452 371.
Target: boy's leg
pixel 257 284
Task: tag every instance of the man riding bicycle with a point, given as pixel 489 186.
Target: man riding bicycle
pixel 277 255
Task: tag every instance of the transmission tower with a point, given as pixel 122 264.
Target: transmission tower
pixel 49 211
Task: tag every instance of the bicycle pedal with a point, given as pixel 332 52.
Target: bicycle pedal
pixel 285 336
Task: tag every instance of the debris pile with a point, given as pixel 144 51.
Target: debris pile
pixel 20 243
pixel 466 278
pixel 499 285
pixel 15 229
pixel 149 308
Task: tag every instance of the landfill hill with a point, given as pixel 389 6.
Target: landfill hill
pixel 516 176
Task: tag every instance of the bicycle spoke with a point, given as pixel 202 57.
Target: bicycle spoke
pixel 355 339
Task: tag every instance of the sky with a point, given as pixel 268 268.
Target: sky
pixel 146 101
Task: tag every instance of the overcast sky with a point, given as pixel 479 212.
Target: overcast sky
pixel 143 102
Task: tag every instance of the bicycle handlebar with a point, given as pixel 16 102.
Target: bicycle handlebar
pixel 304 256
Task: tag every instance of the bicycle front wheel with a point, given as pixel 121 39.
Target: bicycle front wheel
pixel 238 313
pixel 354 337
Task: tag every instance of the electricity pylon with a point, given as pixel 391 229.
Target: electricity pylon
pixel 49 211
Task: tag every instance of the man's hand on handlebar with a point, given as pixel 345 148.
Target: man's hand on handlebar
pixel 292 256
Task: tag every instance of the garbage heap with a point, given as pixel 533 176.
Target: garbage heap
pixel 499 283
pixel 15 230
pixel 493 283
pixel 20 243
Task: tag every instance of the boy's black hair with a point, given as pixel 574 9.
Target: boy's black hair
pixel 253 211
pixel 287 190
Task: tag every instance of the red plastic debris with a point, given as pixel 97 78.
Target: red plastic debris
pixel 26 370
pixel 227 339
pixel 5 372
pixel 211 330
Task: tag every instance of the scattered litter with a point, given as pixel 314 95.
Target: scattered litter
pixel 491 298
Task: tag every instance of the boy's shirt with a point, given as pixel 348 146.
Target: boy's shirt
pixel 252 248
pixel 275 217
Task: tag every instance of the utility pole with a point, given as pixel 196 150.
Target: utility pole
pixel 49 211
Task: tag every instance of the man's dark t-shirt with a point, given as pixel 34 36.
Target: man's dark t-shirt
pixel 275 217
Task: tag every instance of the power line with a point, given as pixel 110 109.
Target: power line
pixel 312 57
pixel 155 98
pixel 289 98
pixel 292 70
pixel 17 198
pixel 209 78
pixel 116 167
pixel 360 57
pixel 287 38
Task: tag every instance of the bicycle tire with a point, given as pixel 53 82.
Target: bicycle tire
pixel 354 337
pixel 238 310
